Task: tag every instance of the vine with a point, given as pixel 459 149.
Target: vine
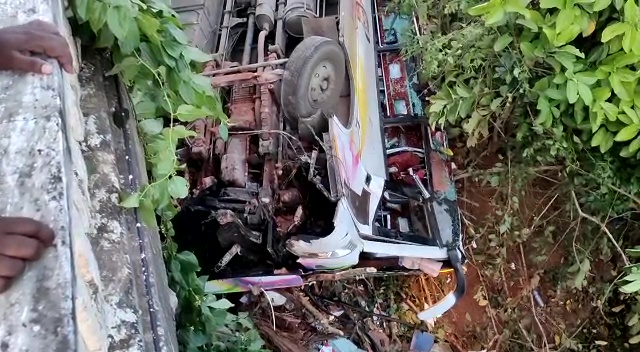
pixel 153 57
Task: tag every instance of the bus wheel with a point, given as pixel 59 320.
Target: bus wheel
pixel 313 79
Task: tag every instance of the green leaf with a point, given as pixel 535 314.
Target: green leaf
pixel 529 23
pixel 145 109
pixel 98 16
pixel 601 93
pixel 632 114
pixel 572 91
pixel 613 30
pixel 607 143
pixel 131 41
pixel 149 27
pixel 634 340
pixel 463 91
pixel 567 60
pixel 618 87
pixel 177 132
pixel 527 50
pixel 550 33
pixel 625 60
pixel 481 9
pixel 188 113
pixel 630 11
pixel 564 20
pixel 195 54
pixel 118 21
pixel 627 133
pixel 585 93
pixel 82 9
pixel 220 304
pixel 567 35
pixel 598 137
pixel 151 126
pixel 188 262
pixel 626 152
pixel 586 77
pixel 634 145
pixel 177 34
pixel 625 74
pixel 129 67
pixel 629 40
pixel 631 287
pixel 131 201
pixel 610 110
pixel 178 187
pixel 598 53
pixel 547 4
pixel 495 16
pixel 572 50
pixel 579 112
pixel 600 5
pixel 147 213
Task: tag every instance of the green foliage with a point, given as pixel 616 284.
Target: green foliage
pixel 588 52
pixel 203 321
pixel 154 59
pixel 547 82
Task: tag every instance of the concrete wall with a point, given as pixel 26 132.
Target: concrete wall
pixel 103 286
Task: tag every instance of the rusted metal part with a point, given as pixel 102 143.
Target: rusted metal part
pixel 233 165
pixel 342 275
pixel 268 114
pixel 246 77
pixel 241 108
pixel 235 250
pixel 201 143
pixel 258 98
pixel 298 218
pixel 206 182
pixel 290 197
pixel 211 70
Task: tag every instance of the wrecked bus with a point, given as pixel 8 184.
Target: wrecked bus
pixel 326 163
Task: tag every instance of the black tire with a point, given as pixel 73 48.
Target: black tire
pixel 316 60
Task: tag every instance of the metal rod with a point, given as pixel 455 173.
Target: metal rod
pixel 280 38
pixel 224 36
pixel 245 67
pixel 251 27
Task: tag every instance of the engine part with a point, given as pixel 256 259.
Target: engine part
pixel 268 115
pixel 251 27
pixel 241 109
pixel 233 165
pixel 290 197
pixel 201 143
pixel 266 14
pixel 227 257
pixel 313 79
pixel 232 231
pixel 226 26
pixel 295 12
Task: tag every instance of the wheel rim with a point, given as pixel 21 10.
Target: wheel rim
pixel 322 82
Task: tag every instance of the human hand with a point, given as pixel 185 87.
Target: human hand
pixel 21 240
pixel 19 44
